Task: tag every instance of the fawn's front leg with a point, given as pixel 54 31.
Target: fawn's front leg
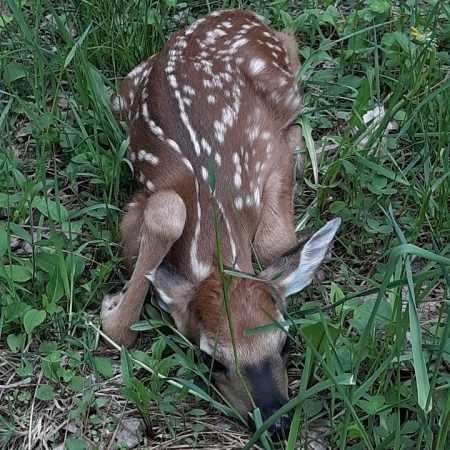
pixel 149 229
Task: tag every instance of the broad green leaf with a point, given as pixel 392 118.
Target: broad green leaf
pixel 362 99
pixel 48 347
pixel 78 383
pixel 312 407
pixel 316 334
pixel 13 71
pixel 5 19
pixel 100 402
pixel 15 273
pixel 53 210
pixel 32 319
pixel 3 241
pixel 75 444
pixel 372 404
pixel 126 366
pixel 55 287
pixel 15 310
pixel 45 392
pixel 380 6
pixel 362 314
pixel 46 261
pixel 197 412
pixel 16 342
pixel 337 206
pixel 103 366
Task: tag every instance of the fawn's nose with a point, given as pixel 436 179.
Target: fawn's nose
pixel 279 430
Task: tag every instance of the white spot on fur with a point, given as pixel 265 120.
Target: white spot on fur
pixel 199 269
pixel 230 235
pixel 212 35
pixel 150 186
pixel 257 197
pixel 136 71
pixel 220 130
pixel 194 26
pixel 253 134
pixel 205 173
pixel 144 156
pixel 206 146
pixel 187 123
pixel 174 145
pixel 189 90
pixel 117 104
pixel 155 129
pixel 173 81
pixel 237 44
pixel 256 66
pixel 188 164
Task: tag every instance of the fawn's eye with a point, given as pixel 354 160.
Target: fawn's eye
pixel 285 349
pixel 212 364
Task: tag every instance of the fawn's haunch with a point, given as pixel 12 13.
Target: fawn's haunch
pixel 220 97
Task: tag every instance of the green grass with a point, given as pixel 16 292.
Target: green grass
pixel 368 371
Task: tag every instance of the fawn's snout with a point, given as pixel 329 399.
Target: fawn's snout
pixel 269 390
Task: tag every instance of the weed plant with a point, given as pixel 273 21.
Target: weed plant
pixel 369 366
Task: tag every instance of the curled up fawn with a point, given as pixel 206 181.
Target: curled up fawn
pixel 220 97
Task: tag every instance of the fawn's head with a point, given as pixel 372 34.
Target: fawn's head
pixel 201 315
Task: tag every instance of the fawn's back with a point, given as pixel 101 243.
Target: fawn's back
pixel 217 99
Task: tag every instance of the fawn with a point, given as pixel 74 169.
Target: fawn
pixel 220 96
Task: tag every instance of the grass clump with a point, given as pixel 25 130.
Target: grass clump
pixel 368 370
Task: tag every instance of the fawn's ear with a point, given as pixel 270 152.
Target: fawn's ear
pixel 171 286
pixel 296 269
pixel 174 292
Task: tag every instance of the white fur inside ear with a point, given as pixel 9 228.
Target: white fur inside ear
pixel 164 301
pixel 311 258
pixel 151 275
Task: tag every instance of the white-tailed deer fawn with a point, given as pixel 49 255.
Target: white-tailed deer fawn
pixel 219 97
